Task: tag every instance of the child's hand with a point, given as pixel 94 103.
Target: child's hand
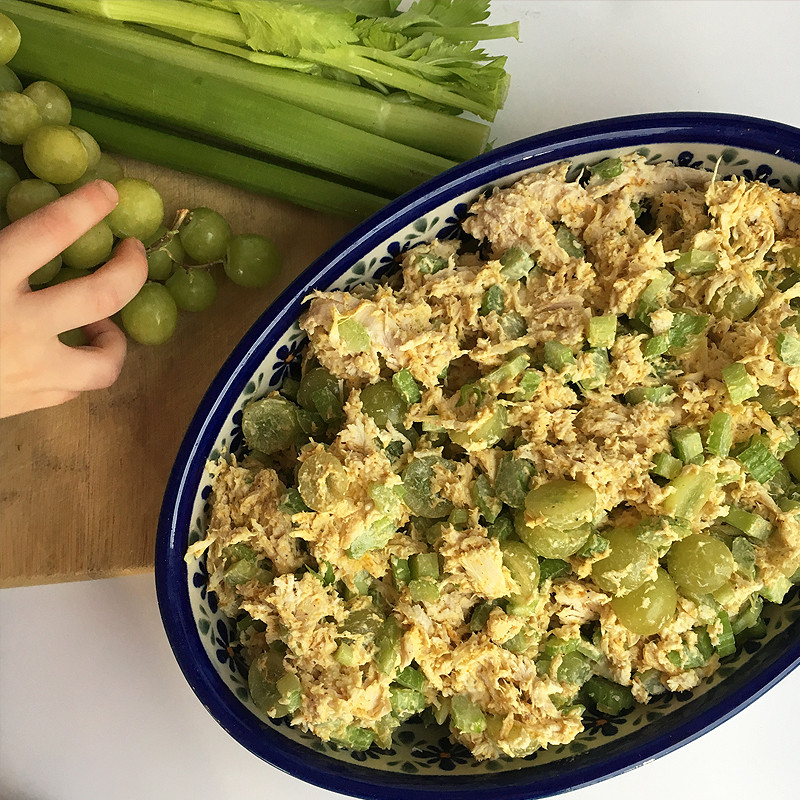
pixel 36 369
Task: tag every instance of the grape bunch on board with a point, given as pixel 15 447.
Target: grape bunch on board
pixel 44 157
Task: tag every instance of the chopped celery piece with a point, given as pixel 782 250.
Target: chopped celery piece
pixel 458 517
pixel 516 263
pixel 401 572
pixel 355 738
pixel 666 466
pixel 653 394
pixel 354 335
pixel 566 240
pixel 374 537
pixel 405 385
pixel 688 444
pixel 739 384
pixel 602 330
pixel 517 365
pixel 661 531
pixel 744 554
pixel 695 262
pixel 411 678
pixel 485 499
pixel 607 696
pixel 558 355
pixel 423 590
pixel 654 294
pixel 493 300
pixel 787 345
pixel 326 575
pixel 518 643
pixel 655 346
pixel 513 479
pixel 685 331
pixel 529 383
pixel 388 646
pixel 574 669
pixel 513 324
pixel 429 264
pixel 602 367
pixel 608 168
pixel 480 616
pixel 792 462
pixel 406 702
pixel 720 434
pixel 502 528
pixel 775 404
pixel 594 545
pixel 777 590
pixel 752 525
pixel 726 644
pixel 550 568
pixel 466 716
pixel 759 461
pixel 243 571
pixel 344 655
pixel 691 491
pixel 424 565
pixel 749 614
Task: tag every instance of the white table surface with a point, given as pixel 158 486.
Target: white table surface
pixel 92 703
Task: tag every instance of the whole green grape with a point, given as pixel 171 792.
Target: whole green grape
pixel 139 211
pixel 108 169
pixel 152 316
pixel 8 178
pixel 627 565
pixel 252 260
pixel 52 102
pixel 9 39
pixel 9 82
pixel 29 195
pixel 55 154
pixel 648 608
pixel 205 235
pixel 68 274
pixel 90 143
pixel 46 273
pixel 700 563
pixel 91 249
pixel 19 117
pixel 192 289
pixel 87 177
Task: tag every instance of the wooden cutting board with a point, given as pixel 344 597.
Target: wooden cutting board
pixel 81 484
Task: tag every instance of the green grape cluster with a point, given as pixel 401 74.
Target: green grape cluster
pixel 43 156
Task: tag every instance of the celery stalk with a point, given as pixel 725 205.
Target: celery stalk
pixel 169 150
pixel 174 84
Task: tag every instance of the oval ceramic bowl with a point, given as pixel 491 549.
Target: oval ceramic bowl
pixel 423 762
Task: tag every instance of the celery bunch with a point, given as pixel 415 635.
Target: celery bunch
pixel 353 92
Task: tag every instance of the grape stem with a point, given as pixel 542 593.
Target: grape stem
pixel 180 218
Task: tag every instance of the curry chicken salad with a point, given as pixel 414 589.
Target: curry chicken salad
pixel 546 466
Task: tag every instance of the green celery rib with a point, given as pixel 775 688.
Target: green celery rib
pixel 432 131
pixel 170 150
pixel 173 84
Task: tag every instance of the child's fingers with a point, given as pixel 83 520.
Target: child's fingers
pixel 98 364
pixel 82 301
pixel 39 237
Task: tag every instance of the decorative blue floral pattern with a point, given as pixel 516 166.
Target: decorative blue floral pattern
pixel 420 749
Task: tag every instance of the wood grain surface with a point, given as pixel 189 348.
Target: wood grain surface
pixel 81 484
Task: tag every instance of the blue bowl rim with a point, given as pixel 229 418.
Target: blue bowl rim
pixel 635 131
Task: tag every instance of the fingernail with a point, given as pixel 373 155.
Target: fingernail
pixel 108 190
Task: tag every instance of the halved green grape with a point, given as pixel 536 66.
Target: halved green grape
pixel 139 211
pixel 382 402
pixel 419 497
pixel 319 392
pixel 55 154
pixel 627 565
pixel 28 196
pixel 322 481
pixel 205 235
pixel 9 82
pixel 52 102
pixel 488 433
pixel 251 260
pixel 562 503
pixel 735 303
pixel 8 178
pixel 152 316
pixel 19 117
pixel 550 542
pixel 90 143
pixel 192 289
pixel 9 39
pixel 91 249
pixel 523 565
pixel 46 272
pixel 575 668
pixel 108 169
pixel 648 608
pixel 270 425
pixel 700 563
